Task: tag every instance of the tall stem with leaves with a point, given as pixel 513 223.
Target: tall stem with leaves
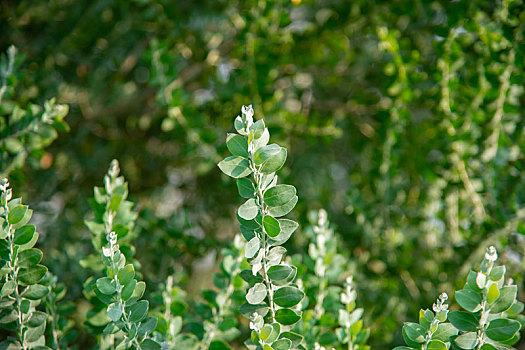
pixel 20 273
pixel 119 290
pixel 271 294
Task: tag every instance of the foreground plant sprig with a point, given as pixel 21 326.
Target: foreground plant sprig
pixel 20 274
pixel 272 295
pixel 120 289
pixel 486 323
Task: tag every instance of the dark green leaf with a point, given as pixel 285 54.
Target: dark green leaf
pixel 246 188
pixel 24 234
pixel 271 226
pixel 286 317
pixel 237 144
pixel 32 275
pixel 288 296
pixel 502 329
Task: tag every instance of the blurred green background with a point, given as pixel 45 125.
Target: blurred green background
pixel 404 119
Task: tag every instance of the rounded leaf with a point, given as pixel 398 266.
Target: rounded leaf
pixel 24 234
pixel 286 317
pixel 502 329
pixel 235 166
pixel 237 144
pixel 246 188
pixel 256 294
pixel 271 226
pixel 288 296
pixel 32 275
pixel 279 195
pixel 248 210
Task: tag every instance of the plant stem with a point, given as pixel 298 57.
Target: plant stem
pixel 257 175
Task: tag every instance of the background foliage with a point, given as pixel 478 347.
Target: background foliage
pixel 402 118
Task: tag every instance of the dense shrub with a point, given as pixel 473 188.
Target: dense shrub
pixel 402 119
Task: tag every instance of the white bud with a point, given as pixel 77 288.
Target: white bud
pixel 323 217
pixel 112 238
pixel 107 251
pixel 491 254
pixel 4 184
pixel 114 168
pixel 8 194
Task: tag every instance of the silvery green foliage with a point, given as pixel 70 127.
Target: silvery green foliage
pixel 20 274
pixel 171 322
pixel 220 309
pixel 432 332
pixel 24 131
pixel 123 316
pixel 486 321
pixel 330 316
pixel 60 330
pixel 272 295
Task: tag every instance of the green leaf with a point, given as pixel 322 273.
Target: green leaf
pixel 16 214
pixel 488 347
pixel 286 317
pixel 235 166
pixel 444 332
pixel 8 288
pixel 128 290
pixel 114 311
pixel 248 309
pixel 493 293
pixel 288 296
pixel 467 340
pixel 10 344
pixel 469 299
pixel 283 209
pixel 24 234
pixel 252 247
pixel 248 210
pixel 497 273
pixel 505 300
pixel 36 319
pixel 147 326
pixel 8 316
pixel 240 126
pixel 246 188
pixel 106 285
pixel 274 163
pixel 237 144
pixel 33 334
pixel 138 311
pixel 279 195
pixel 150 344
pixel 294 337
pixel 32 275
pixel 436 345
pixel 266 152
pixel 219 345
pixel 288 227
pixel 126 274
pixel 282 344
pixel 266 331
pixel 414 332
pixel 271 226
pixel 279 272
pixel 35 292
pixel 502 329
pixel 256 294
pixel 464 321
pixel 29 257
